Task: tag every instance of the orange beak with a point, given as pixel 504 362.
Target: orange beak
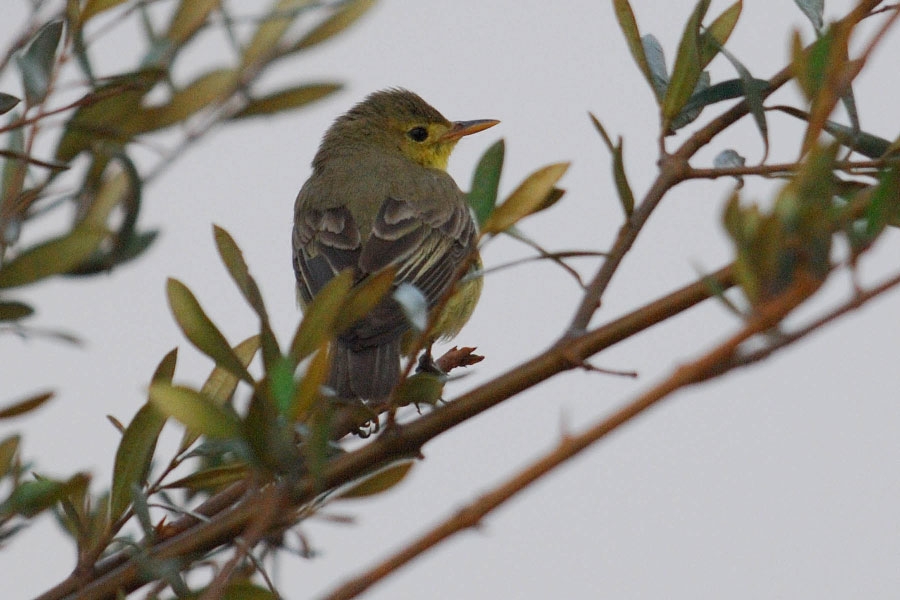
pixel 463 128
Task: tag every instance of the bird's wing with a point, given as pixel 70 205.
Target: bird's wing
pixel 325 242
pixel 427 242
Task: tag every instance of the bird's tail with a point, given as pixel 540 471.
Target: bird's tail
pixel 366 373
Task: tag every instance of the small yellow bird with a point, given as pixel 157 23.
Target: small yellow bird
pixel 380 196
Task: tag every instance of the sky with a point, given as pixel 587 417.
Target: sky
pixel 778 480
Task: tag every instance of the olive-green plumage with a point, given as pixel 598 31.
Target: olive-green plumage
pixel 379 196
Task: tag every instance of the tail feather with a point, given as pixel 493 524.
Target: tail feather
pixel 366 373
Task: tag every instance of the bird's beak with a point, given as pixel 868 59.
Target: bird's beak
pixel 463 128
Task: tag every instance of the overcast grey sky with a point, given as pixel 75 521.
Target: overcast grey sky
pixel 778 481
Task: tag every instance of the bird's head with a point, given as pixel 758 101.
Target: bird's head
pixel 398 120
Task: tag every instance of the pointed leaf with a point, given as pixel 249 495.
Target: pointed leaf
pixel 320 316
pixel 24 406
pixel 813 9
pixel 201 331
pixel 33 497
pixel 308 389
pixel 7 102
pixel 56 256
pixel 189 18
pixel 201 93
pixel 137 446
pixel 213 478
pixel 234 261
pixel 270 31
pixel 95 7
pixel 364 297
pixel 525 199
pixel 287 99
pixel 378 483
pixel 36 62
pixel 656 58
pixel 194 410
pixel 688 65
pixel 713 39
pixel 221 383
pixel 345 16
pixel 486 181
pixel 629 27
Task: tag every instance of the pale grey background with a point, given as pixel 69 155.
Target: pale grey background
pixel 778 481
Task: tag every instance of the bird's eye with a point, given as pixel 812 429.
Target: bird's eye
pixel 418 134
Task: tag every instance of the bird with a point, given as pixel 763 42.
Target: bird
pixel 379 197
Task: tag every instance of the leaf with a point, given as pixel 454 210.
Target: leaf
pixel 345 16
pixel 212 478
pixel 36 62
pixel 190 16
pixel 201 331
pixel 713 39
pixel 486 181
pixel 629 27
pixel 320 316
pixel 233 259
pixel 867 144
pixel 656 58
pixel 204 91
pixel 133 457
pixel 138 444
pixel 221 383
pixel 95 7
pixel 421 388
pixel 364 297
pixel 378 483
pixel 813 9
pixel 287 99
pixel 308 389
pixel 7 102
pixel 58 255
pixel 194 410
pixel 525 199
pixel 687 68
pixel 24 406
pixel 33 497
pixel 626 196
pixel 271 29
pixel 8 449
pixel 10 310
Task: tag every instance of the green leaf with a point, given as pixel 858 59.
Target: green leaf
pixel 626 196
pixel 345 16
pixel 287 99
pixel 33 497
pixel 308 389
pixel 320 316
pixel 138 444
pixel 190 16
pixel 194 410
pixel 233 259
pixel 486 181
pixel 204 91
pixel 95 7
pixel 7 102
pixel 867 144
pixel 364 297
pixel 212 478
pixel 629 27
pixel 58 255
pixel 10 310
pixel 688 66
pixel 525 199
pixel 24 406
pixel 421 388
pixel 713 39
pixel 201 331
pixel 36 62
pixel 133 457
pixel 221 383
pixel 378 483
pixel 271 29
